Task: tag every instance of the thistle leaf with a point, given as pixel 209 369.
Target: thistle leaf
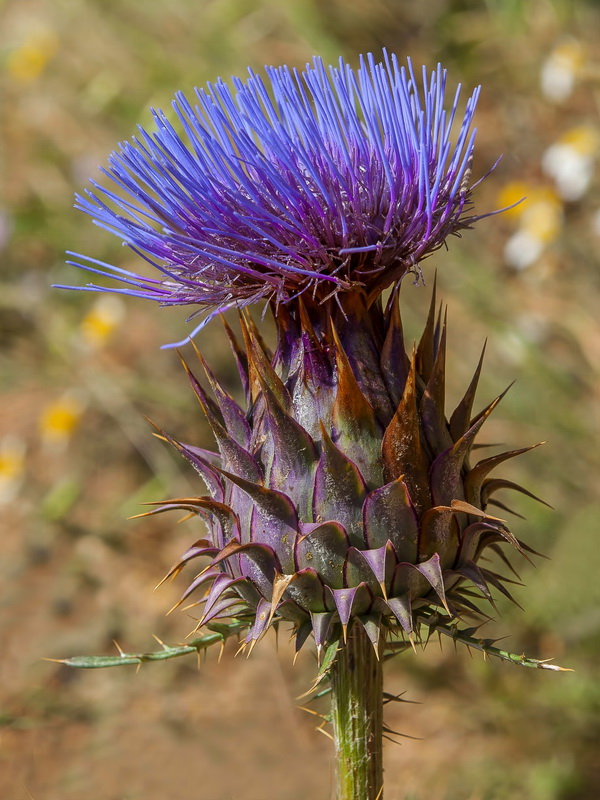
pixel 219 633
pixel 486 646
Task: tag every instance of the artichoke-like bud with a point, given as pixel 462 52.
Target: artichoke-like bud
pixel 342 490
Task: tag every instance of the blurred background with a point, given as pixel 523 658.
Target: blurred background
pixel 79 372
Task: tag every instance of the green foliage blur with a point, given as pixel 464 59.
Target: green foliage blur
pixel 79 372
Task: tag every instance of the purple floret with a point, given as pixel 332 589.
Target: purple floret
pixel 318 183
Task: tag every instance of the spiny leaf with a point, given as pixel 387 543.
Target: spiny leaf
pixel 321 626
pixel 206 470
pixel 381 561
pixel 486 646
pixel 325 666
pixel 293 450
pixel 219 633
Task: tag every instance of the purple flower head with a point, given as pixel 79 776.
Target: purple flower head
pixel 318 183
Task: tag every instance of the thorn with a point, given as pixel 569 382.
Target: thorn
pixel 116 644
pixel 280 584
pixel 446 608
pixel 325 733
pixel 241 649
pixel 397 698
pixel 411 639
pixel 167 576
pixel 195 630
pixel 193 605
pixel 389 738
pixel 555 667
pixel 177 604
pixel 403 735
pixel 251 647
pixel 312 711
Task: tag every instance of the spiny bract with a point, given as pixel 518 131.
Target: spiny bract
pixel 343 491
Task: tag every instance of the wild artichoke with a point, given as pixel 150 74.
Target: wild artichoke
pixel 341 498
pixel 340 491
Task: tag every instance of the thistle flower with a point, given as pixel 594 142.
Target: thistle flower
pixel 316 184
pixel 341 490
pixel 341 499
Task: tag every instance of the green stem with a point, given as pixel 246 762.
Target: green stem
pixel 357 716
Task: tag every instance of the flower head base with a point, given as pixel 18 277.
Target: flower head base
pixel 343 495
pixel 317 183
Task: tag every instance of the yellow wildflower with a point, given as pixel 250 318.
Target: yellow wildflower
pixel 30 58
pixel 60 418
pixel 101 321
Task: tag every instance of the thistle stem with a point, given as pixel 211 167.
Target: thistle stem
pixel 357 716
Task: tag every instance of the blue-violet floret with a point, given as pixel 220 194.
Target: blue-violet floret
pixel 319 182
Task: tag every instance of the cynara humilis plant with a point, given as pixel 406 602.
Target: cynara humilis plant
pixel 342 498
